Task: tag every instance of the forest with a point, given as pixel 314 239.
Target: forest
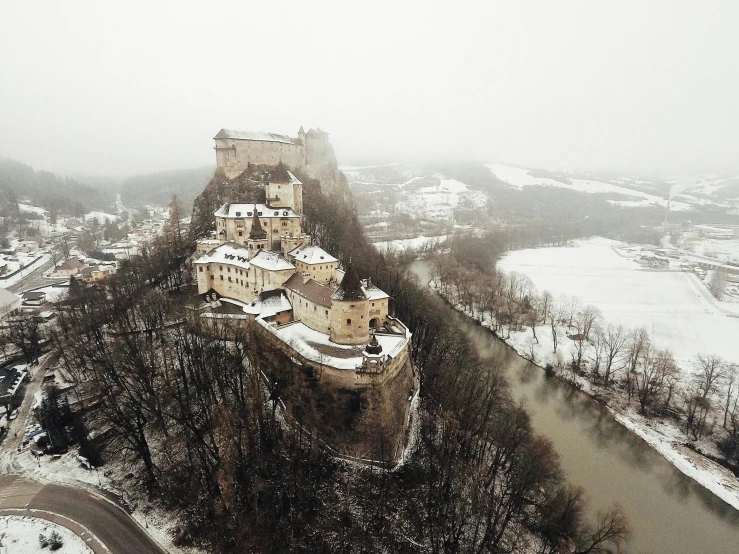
pixel 192 411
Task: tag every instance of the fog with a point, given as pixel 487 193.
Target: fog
pixel 143 86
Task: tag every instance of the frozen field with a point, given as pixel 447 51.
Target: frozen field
pixel 675 307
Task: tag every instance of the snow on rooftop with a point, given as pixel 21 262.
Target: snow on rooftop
pixel 311 255
pixel 253 135
pixel 293 179
pixel 247 210
pixel 318 348
pixel 229 253
pixel 269 304
pixel 272 261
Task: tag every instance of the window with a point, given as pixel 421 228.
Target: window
pixel 220 268
pixel 241 234
pixel 229 280
pixel 221 277
pixel 348 321
pixel 314 308
pixel 200 269
pixel 275 231
pixel 326 313
pixel 373 304
pixel 228 269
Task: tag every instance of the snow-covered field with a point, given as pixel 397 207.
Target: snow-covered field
pixel 29 263
pixel 20 534
pixel 440 201
pixel 675 307
pixel 519 177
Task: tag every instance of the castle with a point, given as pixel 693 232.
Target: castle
pixel 235 150
pixel 260 266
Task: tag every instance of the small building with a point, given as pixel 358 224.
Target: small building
pixel 34 298
pixel 9 303
pixel 28 246
pixel 96 273
pixel 71 267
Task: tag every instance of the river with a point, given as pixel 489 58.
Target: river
pixel 669 512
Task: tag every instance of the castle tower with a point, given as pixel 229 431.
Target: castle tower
pixel 257 236
pixel 350 311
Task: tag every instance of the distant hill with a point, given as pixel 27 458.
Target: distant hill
pixel 158 188
pixel 42 188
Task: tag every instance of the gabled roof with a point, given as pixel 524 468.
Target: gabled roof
pixel 269 303
pixel 271 261
pixel 310 289
pixel 247 210
pixel 7 298
pixel 252 135
pixel 72 263
pixel 311 255
pixel 228 253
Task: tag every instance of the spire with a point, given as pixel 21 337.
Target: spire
pixel 350 287
pixel 374 347
pixel 256 232
pixel 300 131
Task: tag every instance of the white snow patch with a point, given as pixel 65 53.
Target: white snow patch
pixel 21 534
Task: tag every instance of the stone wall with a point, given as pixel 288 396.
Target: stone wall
pixel 233 155
pixel 315 316
pixel 321 273
pixel 350 321
pixel 237 229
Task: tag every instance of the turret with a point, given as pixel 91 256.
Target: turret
pixel 257 236
pixel 350 310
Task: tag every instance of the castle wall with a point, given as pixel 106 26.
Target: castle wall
pixel 350 321
pixel 234 155
pixel 322 273
pixel 226 280
pixel 237 229
pixel 315 316
pixel 291 242
pixel 378 309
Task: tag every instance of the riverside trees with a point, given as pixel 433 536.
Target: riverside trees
pixel 582 346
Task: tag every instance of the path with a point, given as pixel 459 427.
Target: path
pixel 88 512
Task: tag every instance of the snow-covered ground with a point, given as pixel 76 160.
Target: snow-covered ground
pixel 439 202
pixel 20 535
pixel 102 217
pixel 416 243
pixel 29 263
pixel 675 307
pixel 519 177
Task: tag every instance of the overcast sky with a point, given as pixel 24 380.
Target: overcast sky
pixel 648 85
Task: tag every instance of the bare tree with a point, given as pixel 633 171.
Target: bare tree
pixel 587 318
pixel 711 370
pixel 614 341
pixel 730 384
pixel 718 284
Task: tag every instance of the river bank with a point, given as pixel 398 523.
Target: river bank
pixel 662 434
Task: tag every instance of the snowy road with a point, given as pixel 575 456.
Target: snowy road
pixel 103 518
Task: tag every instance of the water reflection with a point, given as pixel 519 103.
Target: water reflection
pixel 670 512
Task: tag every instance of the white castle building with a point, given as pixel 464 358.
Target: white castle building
pixel 261 266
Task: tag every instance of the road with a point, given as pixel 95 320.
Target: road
pixel 104 519
pixel 87 511
pixel 35 279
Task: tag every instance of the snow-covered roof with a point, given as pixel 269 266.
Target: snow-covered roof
pixel 252 135
pixel 318 347
pixel 293 179
pixel 247 210
pixel 272 261
pixel 268 304
pixel 229 253
pixel 374 293
pixel 7 298
pixel 311 255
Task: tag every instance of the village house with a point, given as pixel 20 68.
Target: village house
pixel 9 303
pixel 96 273
pixel 70 267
